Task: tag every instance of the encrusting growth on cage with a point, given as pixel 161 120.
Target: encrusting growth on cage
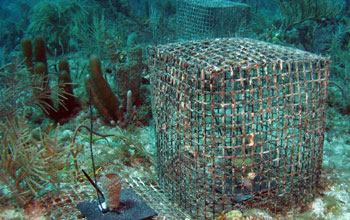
pixel 240 123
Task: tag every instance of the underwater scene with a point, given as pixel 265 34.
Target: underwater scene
pixel 175 109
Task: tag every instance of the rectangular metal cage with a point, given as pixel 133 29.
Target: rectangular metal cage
pixel 239 123
pixel 200 19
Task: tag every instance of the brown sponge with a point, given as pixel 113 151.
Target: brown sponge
pixel 105 101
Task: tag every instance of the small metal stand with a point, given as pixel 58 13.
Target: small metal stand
pixel 131 207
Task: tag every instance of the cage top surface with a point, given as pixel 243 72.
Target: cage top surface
pixel 213 3
pixel 224 53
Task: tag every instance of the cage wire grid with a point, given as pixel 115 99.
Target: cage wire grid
pixel 239 123
pixel 62 203
pixel 198 19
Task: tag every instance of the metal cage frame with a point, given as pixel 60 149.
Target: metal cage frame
pixel 200 19
pixel 239 123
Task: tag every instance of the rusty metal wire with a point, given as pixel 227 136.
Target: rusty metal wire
pixel 62 204
pixel 240 123
pixel 157 200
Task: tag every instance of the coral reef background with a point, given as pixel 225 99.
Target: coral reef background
pixel 41 154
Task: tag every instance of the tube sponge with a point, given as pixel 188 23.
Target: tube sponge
pixel 68 104
pixel 27 50
pixel 112 187
pixel 105 101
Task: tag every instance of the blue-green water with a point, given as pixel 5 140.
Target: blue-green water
pixel 43 152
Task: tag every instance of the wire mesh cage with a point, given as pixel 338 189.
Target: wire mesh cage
pixel 240 123
pixel 200 19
